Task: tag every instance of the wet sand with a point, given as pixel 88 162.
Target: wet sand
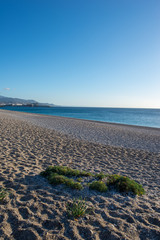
pixel 36 210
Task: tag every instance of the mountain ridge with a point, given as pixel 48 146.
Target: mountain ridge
pixel 24 102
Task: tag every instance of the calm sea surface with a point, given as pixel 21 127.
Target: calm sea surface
pixel 141 117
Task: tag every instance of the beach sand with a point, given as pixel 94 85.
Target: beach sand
pixel 34 209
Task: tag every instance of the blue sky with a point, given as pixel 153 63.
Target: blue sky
pixel 102 53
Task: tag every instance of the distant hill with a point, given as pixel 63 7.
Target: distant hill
pixel 17 102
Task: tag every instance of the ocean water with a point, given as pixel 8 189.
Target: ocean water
pixel 131 116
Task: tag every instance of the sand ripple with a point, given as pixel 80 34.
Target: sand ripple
pixel 36 210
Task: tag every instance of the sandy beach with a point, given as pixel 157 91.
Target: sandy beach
pixel 34 209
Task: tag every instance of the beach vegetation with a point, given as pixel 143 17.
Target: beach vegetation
pixel 98 186
pixel 73 184
pixel 66 171
pixel 57 179
pixel 125 184
pixel 77 208
pixel 101 182
pixel 3 194
pixel 47 172
pixel 101 175
pixel 79 179
pixel 86 174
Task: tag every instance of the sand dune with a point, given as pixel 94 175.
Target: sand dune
pixel 36 210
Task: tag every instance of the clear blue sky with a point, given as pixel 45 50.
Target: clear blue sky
pixel 102 53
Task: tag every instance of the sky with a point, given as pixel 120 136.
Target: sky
pixel 95 53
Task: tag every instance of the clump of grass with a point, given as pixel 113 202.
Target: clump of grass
pixel 47 172
pixel 79 179
pixel 56 179
pixel 101 175
pixel 66 171
pixel 77 208
pixel 99 186
pixel 86 174
pixel 62 175
pixel 74 185
pixel 125 184
pixel 3 194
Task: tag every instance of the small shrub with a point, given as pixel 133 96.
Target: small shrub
pixel 125 184
pixel 77 208
pixel 85 174
pixel 79 179
pixel 3 194
pixel 62 175
pixel 101 175
pixel 66 171
pixel 99 186
pixel 72 184
pixel 57 179
pixel 47 172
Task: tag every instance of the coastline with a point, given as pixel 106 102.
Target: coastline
pixel 36 209
pixel 112 134
pixel 88 120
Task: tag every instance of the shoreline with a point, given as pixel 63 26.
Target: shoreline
pixel 36 209
pixel 111 134
pixel 88 120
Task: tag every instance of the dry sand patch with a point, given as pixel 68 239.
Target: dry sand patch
pixel 36 210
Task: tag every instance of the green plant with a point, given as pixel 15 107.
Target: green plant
pixel 125 184
pixel 62 175
pixel 77 208
pixel 47 172
pixel 56 179
pixel 3 194
pixel 99 186
pixel 86 174
pixel 79 179
pixel 66 171
pixel 72 184
pixel 101 175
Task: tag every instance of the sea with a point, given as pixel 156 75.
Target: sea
pixel 130 116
